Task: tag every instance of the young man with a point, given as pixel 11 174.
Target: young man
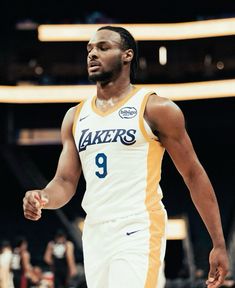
pixel 59 255
pixel 22 270
pixel 117 138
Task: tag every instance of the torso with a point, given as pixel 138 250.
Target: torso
pixel 120 157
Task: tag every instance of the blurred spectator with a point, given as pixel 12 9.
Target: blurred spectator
pixel 35 278
pixel 59 255
pixel 47 280
pixel 5 262
pixel 24 274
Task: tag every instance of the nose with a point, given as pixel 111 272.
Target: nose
pixel 92 54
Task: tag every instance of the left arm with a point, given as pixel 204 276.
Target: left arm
pixel 165 116
pixel 48 254
pixel 26 264
pixel 71 259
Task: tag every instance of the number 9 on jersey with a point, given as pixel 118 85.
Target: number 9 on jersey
pixel 101 163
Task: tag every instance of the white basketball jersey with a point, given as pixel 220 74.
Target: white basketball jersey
pixel 120 157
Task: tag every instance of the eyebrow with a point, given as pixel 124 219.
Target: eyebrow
pixel 104 42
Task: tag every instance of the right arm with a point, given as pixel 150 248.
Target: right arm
pixel 63 186
pixel 71 259
pixel 26 265
pixel 48 254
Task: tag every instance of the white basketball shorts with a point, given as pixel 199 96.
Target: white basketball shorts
pixel 127 252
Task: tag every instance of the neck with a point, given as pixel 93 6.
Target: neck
pixel 114 89
pixel 109 96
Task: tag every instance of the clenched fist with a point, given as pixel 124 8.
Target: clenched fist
pixel 33 203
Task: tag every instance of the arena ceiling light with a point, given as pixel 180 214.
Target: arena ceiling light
pixel 176 229
pixel 77 93
pixel 144 32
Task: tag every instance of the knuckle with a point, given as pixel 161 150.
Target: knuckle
pixel 27 215
pixel 27 193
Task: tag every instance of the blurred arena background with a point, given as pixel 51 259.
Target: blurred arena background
pixel 34 72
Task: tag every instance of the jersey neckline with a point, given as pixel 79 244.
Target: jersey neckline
pixel 115 107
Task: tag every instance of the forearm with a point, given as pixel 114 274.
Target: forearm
pixel 70 259
pixel 205 201
pixel 58 192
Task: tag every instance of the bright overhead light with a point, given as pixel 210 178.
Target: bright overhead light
pixel 166 31
pixel 162 55
pixel 176 229
pixel 77 93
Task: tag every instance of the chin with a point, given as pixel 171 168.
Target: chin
pixel 101 77
pixel 92 78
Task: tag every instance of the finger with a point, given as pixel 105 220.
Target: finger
pixel 33 197
pixel 36 212
pixel 221 275
pixel 33 212
pixel 216 283
pixel 29 205
pixel 212 272
pixel 211 281
pixel 32 201
pixel 213 285
pixel 42 200
pixel 31 216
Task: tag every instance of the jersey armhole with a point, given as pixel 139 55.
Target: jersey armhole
pixel 77 113
pixel 144 126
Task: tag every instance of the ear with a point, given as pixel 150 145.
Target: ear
pixel 127 56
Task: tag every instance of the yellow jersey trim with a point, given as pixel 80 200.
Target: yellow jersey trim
pixel 156 213
pixel 114 108
pixel 77 113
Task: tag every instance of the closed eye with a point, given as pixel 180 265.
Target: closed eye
pixel 103 47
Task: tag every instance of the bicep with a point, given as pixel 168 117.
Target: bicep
pixel 48 250
pixel 48 254
pixel 169 121
pixel 70 250
pixel 26 261
pixel 69 165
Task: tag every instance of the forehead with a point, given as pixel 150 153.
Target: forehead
pixel 105 36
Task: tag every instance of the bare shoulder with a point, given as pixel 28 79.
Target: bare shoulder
pixel 163 114
pixel 162 105
pixel 50 244
pixel 25 254
pixel 70 244
pixel 68 121
pixel 70 114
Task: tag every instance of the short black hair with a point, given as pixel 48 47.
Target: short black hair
pixel 19 240
pixel 128 42
pixel 4 244
pixel 60 233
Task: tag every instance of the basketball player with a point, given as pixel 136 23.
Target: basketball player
pixel 59 255
pixel 117 138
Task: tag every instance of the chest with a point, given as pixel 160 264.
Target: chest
pixel 119 128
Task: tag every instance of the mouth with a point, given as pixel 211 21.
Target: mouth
pixel 93 68
pixel 93 65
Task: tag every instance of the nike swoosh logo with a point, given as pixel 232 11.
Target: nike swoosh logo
pixel 83 118
pixel 132 232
